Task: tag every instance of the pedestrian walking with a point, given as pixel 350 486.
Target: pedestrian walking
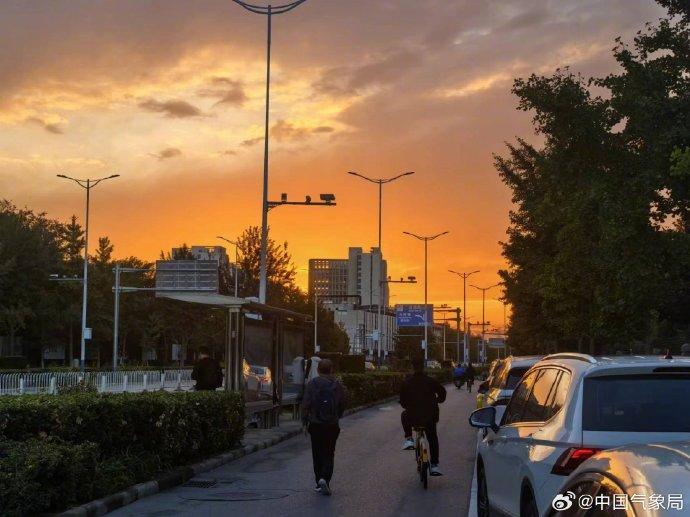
pixel 322 407
pixel 207 371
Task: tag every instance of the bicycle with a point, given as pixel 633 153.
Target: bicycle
pixel 422 454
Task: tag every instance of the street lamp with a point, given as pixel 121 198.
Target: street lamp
pixel 267 11
pixel 464 276
pixel 426 283
pixel 380 182
pixel 237 260
pixel 87 185
pixel 484 290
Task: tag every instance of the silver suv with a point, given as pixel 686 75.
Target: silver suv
pixel 565 409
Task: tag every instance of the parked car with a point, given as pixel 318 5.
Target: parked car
pixel 633 481
pixel 505 377
pixel 567 408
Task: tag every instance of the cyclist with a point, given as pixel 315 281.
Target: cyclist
pixel 420 396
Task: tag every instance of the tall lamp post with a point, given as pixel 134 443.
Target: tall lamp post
pixel 268 11
pixel 380 182
pixel 484 290
pixel 87 185
pixel 426 240
pixel 465 341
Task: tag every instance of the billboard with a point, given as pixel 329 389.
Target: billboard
pixel 413 315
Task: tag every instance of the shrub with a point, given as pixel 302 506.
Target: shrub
pixel 42 475
pixel 105 442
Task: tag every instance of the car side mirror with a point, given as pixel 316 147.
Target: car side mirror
pixel 484 418
pixel 483 387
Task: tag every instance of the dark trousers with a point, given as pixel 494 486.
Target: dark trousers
pixel 323 438
pixel 430 431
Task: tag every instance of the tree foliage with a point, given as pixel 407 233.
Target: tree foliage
pixel 598 242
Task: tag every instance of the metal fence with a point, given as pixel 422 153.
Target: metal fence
pixel 105 382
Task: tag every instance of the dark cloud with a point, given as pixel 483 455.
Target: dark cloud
pixel 352 80
pixel 227 91
pixel 51 128
pixel 284 130
pixel 168 152
pixel 171 108
pixel 228 152
pixel 252 141
pixel 527 19
pixel 323 129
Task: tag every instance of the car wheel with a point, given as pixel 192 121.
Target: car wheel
pixel 482 493
pixel 528 506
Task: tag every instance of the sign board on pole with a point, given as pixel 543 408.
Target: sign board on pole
pixel 413 315
pixel 87 333
pixel 496 342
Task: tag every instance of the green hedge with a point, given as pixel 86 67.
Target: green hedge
pixel 365 388
pixel 102 443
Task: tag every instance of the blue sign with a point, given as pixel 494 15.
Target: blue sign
pixel 413 315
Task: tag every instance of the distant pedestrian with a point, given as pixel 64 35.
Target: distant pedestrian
pixel 322 407
pixel 207 371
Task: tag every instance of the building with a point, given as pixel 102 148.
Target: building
pixel 217 253
pixel 360 280
pixel 328 277
pixel 360 274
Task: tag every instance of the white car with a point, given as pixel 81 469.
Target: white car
pixel 504 377
pixel 567 408
pixel 633 481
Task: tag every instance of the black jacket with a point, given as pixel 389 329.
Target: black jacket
pixel 208 374
pixel 308 402
pixel 420 395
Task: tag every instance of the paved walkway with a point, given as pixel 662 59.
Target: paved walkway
pixel 373 477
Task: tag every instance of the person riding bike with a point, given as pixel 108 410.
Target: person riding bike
pixel 459 376
pixel 420 396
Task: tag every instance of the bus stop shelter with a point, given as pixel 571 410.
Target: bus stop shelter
pixel 265 349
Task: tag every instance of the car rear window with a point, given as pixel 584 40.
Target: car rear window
pixel 514 376
pixel 637 403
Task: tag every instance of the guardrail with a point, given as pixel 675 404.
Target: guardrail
pixel 105 382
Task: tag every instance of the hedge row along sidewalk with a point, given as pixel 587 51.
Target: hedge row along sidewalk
pixel 58 451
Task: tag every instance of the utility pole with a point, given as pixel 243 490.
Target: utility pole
pixel 464 277
pixel 87 185
pixel 267 11
pixel 380 182
pixel 426 285
pixel 484 290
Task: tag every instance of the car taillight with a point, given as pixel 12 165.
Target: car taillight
pixel 571 459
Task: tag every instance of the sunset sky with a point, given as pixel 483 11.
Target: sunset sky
pixel 170 95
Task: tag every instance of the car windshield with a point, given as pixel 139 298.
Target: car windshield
pixel 514 376
pixel 637 403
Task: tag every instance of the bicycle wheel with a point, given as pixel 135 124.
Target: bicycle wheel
pixel 424 475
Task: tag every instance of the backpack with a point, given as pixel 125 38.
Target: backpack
pixel 326 407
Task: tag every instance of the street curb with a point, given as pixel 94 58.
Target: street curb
pixel 181 475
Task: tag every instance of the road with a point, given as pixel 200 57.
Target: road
pixel 373 476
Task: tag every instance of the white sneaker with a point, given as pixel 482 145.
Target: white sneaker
pixel 325 489
pixel 408 444
pixel 434 470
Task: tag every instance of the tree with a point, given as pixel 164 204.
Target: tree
pixel 279 267
pixel 592 263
